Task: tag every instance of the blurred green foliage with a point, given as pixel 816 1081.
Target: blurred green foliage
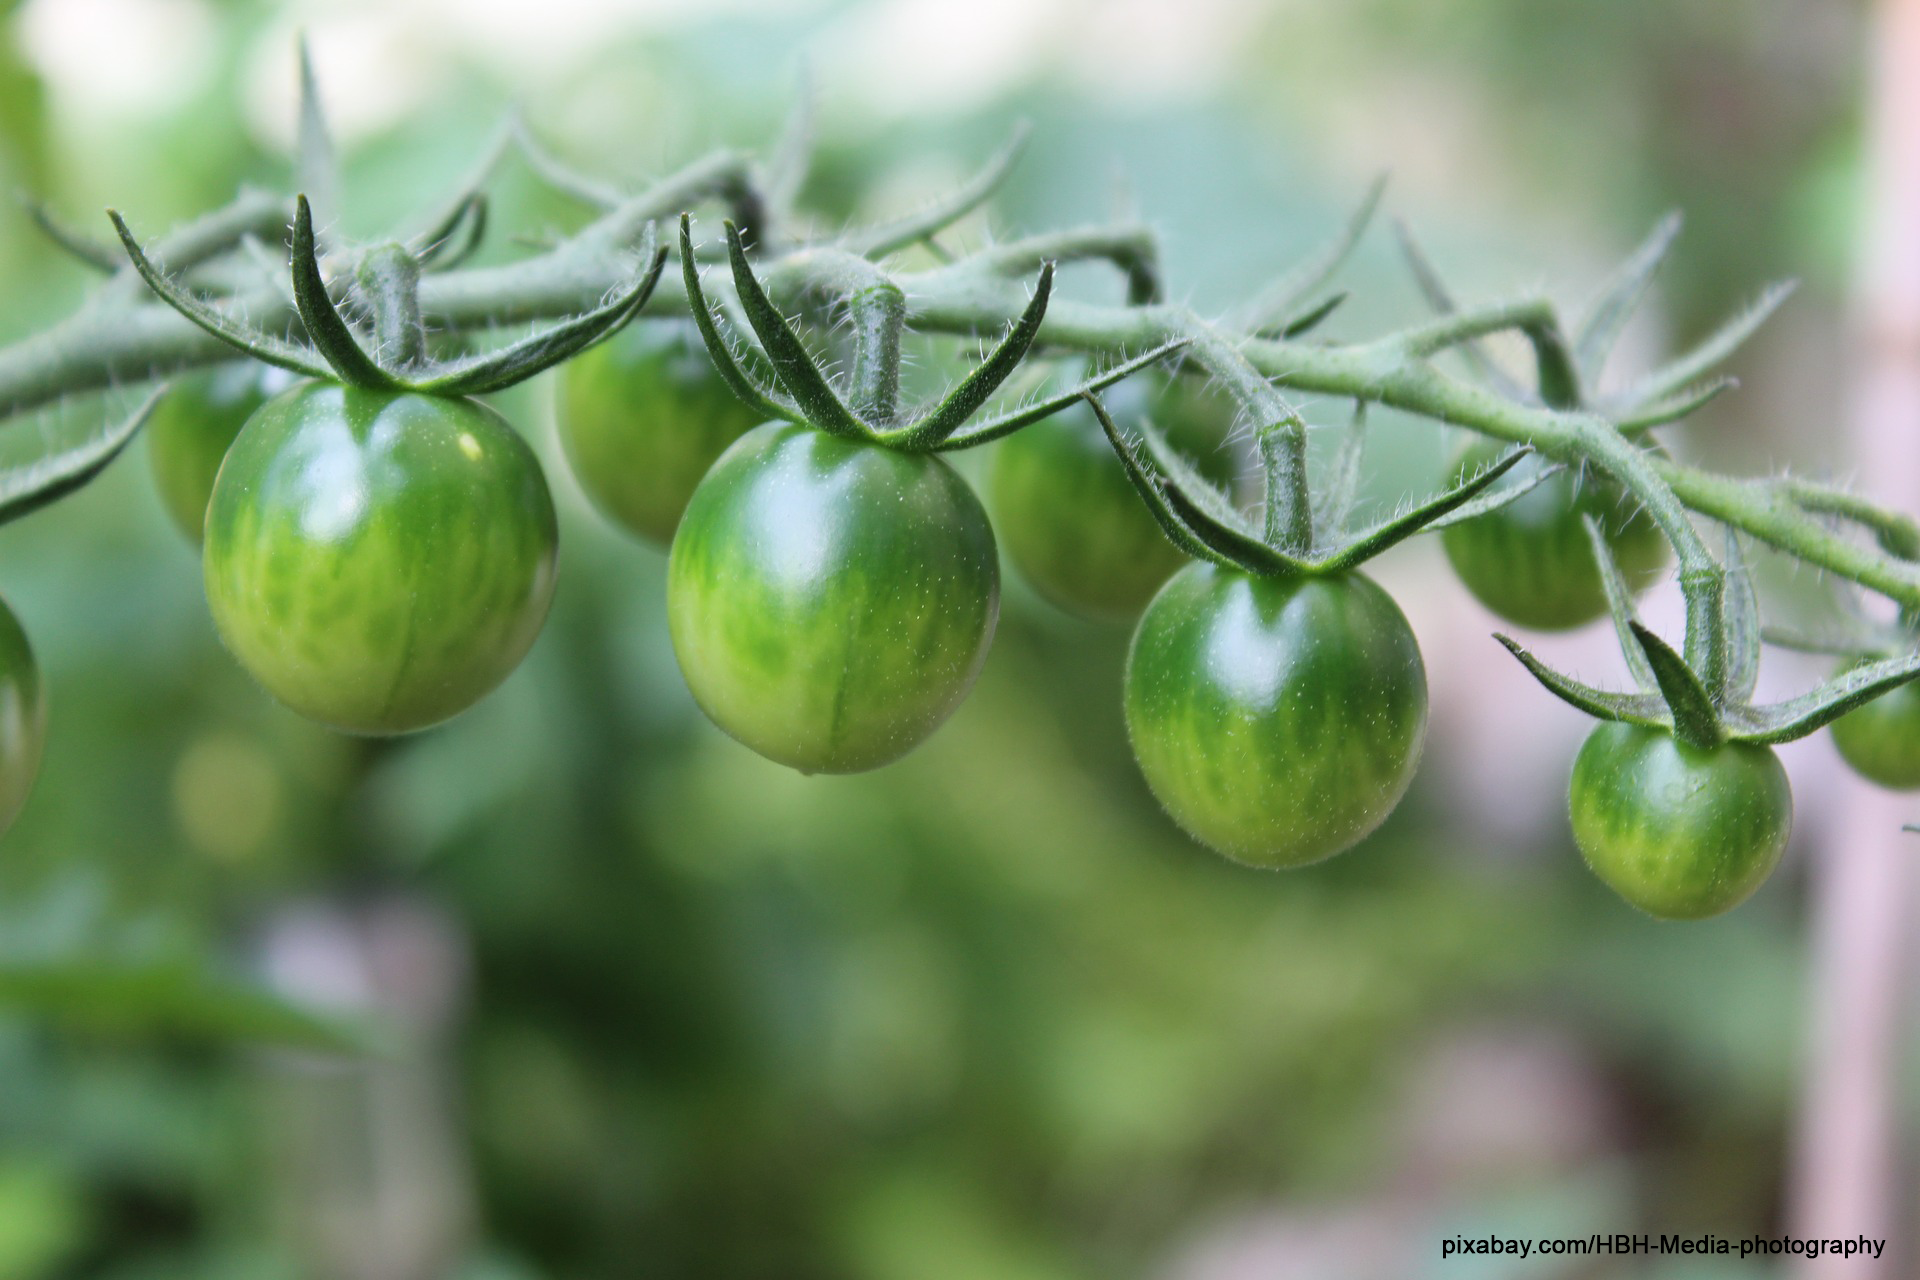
pixel 983 1014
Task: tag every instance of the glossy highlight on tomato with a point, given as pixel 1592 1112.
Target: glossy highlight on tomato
pixel 1070 520
pixel 1277 720
pixel 641 418
pixel 379 561
pixel 1531 561
pixel 1681 832
pixel 192 428
pixel 23 718
pixel 831 601
pixel 1881 740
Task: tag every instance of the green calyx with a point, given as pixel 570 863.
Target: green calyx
pixel 1703 713
pixel 387 281
pixel 783 379
pixel 1204 522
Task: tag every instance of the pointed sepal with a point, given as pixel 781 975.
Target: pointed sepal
pixel 1427 278
pixel 1716 347
pixel 725 361
pixel 1798 717
pixel 1620 606
pixel 1630 708
pixel 496 370
pixel 76 243
pixel 326 327
pixel 793 365
pixel 28 486
pixel 1681 404
pixel 1335 505
pixel 1280 303
pixel 1420 518
pixel 887 237
pixel 974 390
pixel 1140 474
pixel 248 341
pixel 1696 721
pixel 1006 424
pixel 1620 297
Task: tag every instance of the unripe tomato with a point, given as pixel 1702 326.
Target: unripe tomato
pixel 1069 518
pixel 192 428
pixel 1881 740
pixel 23 718
pixel 1531 561
pixel 642 416
pixel 1278 720
pixel 1680 832
pixel 377 560
pixel 831 601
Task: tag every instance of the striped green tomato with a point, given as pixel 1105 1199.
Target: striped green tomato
pixel 641 417
pixel 379 561
pixel 192 428
pixel 831 601
pixel 1681 832
pixel 1531 561
pixel 1277 720
pixel 1881 740
pixel 1070 519
pixel 23 718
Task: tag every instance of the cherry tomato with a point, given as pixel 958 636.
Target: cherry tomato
pixel 23 718
pixel 1881 740
pixel 379 561
pixel 1069 518
pixel 642 417
pixel 831 601
pixel 1278 720
pixel 192 428
pixel 1531 561
pixel 1680 832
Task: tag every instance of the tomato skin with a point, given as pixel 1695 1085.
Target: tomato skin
pixel 830 601
pixel 1531 561
pixel 379 561
pixel 1277 720
pixel 1680 832
pixel 1070 519
pixel 192 428
pixel 641 418
pixel 1881 740
pixel 23 718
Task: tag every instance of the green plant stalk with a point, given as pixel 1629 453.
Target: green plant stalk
pixel 114 340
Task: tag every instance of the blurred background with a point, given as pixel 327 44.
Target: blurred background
pixel 641 1003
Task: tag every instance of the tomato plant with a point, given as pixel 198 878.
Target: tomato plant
pixel 1531 562
pixel 379 560
pixel 1881 739
pixel 23 718
pixel 830 600
pixel 381 548
pixel 1679 831
pixel 194 425
pixel 641 418
pixel 1069 519
pixel 1278 719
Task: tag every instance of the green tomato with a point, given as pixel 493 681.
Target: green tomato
pixel 1881 740
pixel 1070 519
pixel 192 428
pixel 378 560
pixel 23 718
pixel 1680 832
pixel 831 601
pixel 1531 561
pixel 1277 720
pixel 642 417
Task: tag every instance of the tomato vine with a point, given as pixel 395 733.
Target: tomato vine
pixel 902 583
